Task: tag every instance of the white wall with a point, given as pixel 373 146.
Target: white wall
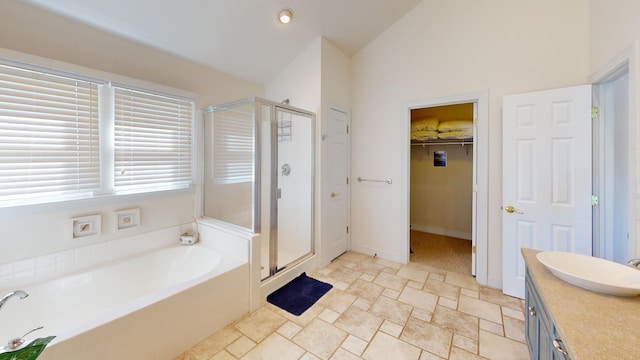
pixel 446 48
pixel 56 41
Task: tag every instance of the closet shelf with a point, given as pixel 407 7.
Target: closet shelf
pixel 462 142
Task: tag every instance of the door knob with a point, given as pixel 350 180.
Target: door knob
pixel 510 209
pixel 334 194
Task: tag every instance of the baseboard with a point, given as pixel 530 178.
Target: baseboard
pixel 494 283
pixel 377 253
pixel 441 231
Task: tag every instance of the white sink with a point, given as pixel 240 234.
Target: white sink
pixel 592 273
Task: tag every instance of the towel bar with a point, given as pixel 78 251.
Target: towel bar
pixel 388 181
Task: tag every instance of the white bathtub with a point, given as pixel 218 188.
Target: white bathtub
pixel 154 306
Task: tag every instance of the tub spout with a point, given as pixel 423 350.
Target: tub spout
pixel 19 293
pixel 634 263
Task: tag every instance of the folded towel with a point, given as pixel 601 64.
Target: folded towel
pixel 455 125
pixel 425 124
pixel 459 134
pixel 424 135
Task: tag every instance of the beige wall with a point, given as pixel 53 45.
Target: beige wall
pixel 447 48
pixel 614 26
pixel 61 43
pixel 441 197
pixel 31 30
pixel 300 80
pixel 316 80
pixel 335 93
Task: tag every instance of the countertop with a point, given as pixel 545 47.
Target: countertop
pixel 591 325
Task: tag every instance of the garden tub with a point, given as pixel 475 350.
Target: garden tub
pixel 153 306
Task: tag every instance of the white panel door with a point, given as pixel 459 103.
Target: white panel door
pixel 338 196
pixel 546 177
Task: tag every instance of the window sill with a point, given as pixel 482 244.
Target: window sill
pixel 95 201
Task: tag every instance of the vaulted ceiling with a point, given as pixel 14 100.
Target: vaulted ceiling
pixel 239 37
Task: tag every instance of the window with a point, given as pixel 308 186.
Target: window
pixel 53 145
pixel 152 141
pixel 49 140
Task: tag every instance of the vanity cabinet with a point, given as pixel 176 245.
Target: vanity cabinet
pixel 593 326
pixel 543 341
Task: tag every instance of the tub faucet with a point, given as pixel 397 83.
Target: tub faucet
pixel 19 293
pixel 634 263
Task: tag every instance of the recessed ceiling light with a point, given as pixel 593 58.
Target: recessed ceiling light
pixel 285 16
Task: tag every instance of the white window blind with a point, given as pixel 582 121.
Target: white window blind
pixel 233 147
pixel 49 140
pixel 153 148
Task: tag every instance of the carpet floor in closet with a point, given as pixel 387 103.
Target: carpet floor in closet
pixel 444 252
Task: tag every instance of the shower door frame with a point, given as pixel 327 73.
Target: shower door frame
pixel 273 208
pixel 256 213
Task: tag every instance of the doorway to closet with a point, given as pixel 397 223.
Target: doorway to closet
pixel 442 186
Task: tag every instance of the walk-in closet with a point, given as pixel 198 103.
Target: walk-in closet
pixel 441 186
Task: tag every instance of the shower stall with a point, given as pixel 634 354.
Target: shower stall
pixel 259 176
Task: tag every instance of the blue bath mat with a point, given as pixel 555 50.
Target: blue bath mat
pixel 299 294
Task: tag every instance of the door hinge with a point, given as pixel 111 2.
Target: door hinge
pixel 347 229
pixel 347 129
pixel 594 200
pixel 473 249
pixel 347 180
pixel 595 112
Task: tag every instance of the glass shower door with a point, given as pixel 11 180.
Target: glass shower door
pixel 259 176
pixel 294 191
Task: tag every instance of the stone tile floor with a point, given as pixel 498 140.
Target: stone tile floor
pixel 379 309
